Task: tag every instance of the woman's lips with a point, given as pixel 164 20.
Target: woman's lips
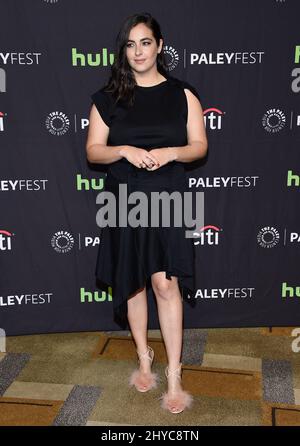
pixel 139 61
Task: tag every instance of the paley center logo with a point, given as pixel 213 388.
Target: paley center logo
pixel 273 120
pixel 268 237
pixel 62 241
pixel 57 123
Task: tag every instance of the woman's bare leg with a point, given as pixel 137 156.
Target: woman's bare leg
pixel 137 315
pixel 170 312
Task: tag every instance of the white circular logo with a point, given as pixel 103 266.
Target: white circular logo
pixel 273 120
pixel 268 237
pixel 57 123
pixel 62 241
pixel 174 56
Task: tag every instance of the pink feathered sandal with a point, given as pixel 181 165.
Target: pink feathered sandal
pixel 144 381
pixel 181 400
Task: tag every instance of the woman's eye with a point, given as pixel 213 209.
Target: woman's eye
pixel 129 44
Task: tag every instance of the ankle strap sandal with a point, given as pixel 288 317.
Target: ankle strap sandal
pixel 176 372
pixel 149 354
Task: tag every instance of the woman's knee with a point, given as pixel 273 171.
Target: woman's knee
pixel 163 287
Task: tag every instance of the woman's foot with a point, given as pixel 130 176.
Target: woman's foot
pixel 176 399
pixel 143 379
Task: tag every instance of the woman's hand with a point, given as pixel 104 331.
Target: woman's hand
pixel 140 158
pixel 163 155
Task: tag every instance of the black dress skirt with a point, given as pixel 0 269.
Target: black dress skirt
pixel 128 256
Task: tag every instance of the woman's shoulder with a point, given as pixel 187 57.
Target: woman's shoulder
pixel 103 102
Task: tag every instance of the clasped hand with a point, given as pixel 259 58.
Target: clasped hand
pixel 149 160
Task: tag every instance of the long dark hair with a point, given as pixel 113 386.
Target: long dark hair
pixel 121 82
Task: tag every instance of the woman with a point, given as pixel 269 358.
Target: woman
pixel 145 125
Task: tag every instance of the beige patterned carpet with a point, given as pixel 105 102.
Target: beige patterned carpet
pixel 238 377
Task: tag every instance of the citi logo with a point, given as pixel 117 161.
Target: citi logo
pixel 213 118
pixel 208 235
pixel 87 183
pixel 2 122
pixel 292 179
pixel 95 296
pixel 5 240
pixel 289 291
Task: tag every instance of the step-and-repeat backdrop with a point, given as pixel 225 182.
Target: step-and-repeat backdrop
pixel 243 57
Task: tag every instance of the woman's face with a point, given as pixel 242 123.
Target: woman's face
pixel 141 45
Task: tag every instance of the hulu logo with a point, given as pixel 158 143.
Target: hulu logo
pixel 92 60
pixel 292 179
pixel 297 54
pixel 289 291
pixel 96 296
pixel 86 184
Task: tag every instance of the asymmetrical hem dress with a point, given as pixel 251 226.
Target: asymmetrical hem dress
pixel 128 256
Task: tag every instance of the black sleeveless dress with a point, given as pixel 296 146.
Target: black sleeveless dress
pixel 128 255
